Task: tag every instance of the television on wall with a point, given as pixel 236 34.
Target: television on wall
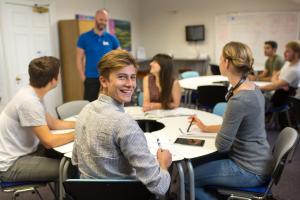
pixel 194 33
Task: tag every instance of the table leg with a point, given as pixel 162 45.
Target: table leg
pixel 60 184
pixel 191 178
pixel 181 176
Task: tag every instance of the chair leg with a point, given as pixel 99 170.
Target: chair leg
pixel 54 190
pixel 38 193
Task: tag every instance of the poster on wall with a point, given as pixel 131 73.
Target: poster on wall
pixel 122 30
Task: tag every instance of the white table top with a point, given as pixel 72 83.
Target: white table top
pixel 193 83
pixel 173 120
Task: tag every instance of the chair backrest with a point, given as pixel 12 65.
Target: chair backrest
pixel 70 108
pixel 140 98
pixel 189 74
pixel 215 70
pixel 285 142
pixel 294 104
pixel 210 95
pixel 220 108
pixel 112 189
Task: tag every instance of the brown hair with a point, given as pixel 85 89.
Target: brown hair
pixel 115 60
pixel 240 56
pixel 42 70
pixel 166 78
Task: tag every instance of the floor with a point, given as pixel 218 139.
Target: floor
pixel 287 189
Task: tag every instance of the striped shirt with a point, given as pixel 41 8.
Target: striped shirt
pixel 110 144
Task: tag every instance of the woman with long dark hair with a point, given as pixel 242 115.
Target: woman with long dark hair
pixel 161 88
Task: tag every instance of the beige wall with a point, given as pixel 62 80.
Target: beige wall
pixel 163 22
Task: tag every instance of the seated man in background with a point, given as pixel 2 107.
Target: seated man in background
pixel 285 82
pixel 272 65
pixel 25 123
pixel 108 142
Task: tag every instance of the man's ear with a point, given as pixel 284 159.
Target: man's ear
pixel 103 81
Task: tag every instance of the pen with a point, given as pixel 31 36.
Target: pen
pixel 190 125
pixel 159 145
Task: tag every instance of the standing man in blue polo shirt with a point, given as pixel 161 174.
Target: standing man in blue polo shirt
pixel 91 47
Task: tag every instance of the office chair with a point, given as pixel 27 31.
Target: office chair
pixel 109 189
pixel 24 186
pixel 192 95
pixel 215 70
pixel 220 108
pixel 70 108
pixel 189 74
pixel 286 141
pixel 210 95
pixel 294 104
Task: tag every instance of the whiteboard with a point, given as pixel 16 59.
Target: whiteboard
pixel 254 29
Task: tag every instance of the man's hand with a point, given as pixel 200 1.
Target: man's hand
pixel 164 158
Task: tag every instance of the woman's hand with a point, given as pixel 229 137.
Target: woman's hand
pixel 198 122
pixel 146 107
pixel 203 127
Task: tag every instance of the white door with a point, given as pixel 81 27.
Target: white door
pixel 26 36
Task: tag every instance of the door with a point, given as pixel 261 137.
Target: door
pixel 26 35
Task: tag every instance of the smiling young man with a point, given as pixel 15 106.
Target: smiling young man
pixel 109 143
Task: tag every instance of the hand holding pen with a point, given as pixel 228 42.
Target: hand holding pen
pixel 198 122
pixel 188 129
pixel 164 157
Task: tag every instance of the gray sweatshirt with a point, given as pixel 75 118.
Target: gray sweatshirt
pixel 243 132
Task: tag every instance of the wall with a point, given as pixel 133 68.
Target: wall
pixel 164 22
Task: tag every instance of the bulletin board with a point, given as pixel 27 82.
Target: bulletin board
pixel 256 28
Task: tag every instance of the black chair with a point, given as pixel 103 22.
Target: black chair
pixel 210 95
pixel 108 189
pixel 294 111
pixel 286 141
pixel 215 69
pixel 294 104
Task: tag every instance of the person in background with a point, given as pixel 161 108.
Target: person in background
pixel 161 89
pixel 272 65
pixel 284 83
pixel 91 47
pixel 25 123
pixel 242 134
pixel 108 142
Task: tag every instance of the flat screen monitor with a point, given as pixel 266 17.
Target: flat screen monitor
pixel 194 33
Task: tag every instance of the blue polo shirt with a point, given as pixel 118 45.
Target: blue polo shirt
pixel 95 47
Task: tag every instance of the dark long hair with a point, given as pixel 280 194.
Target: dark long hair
pixel 166 78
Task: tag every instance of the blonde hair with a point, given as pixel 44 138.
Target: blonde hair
pixel 295 46
pixel 240 56
pixel 115 60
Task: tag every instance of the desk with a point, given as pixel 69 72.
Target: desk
pixel 190 84
pixel 174 120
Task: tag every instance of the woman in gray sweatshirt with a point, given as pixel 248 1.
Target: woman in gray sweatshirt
pixel 242 133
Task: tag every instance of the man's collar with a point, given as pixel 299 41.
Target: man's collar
pixel 110 100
